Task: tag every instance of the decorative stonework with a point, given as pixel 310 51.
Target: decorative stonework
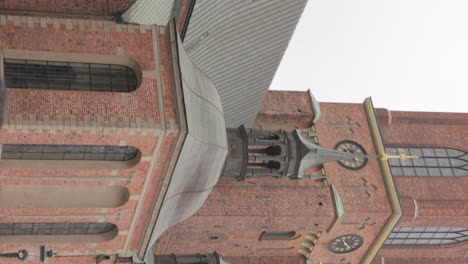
pixel 362 224
pixel 350 125
pixel 368 188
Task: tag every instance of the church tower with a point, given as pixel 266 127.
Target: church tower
pixel 304 183
pixel 385 187
pixel 128 137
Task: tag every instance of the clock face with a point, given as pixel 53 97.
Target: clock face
pixel 345 244
pixel 350 146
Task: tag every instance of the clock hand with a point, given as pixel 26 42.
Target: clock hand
pixel 346 244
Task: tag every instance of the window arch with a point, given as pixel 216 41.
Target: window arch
pixel 82 228
pixel 427 236
pixel 430 161
pixel 25 69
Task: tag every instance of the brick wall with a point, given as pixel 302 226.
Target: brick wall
pixel 67 7
pixel 285 110
pixel 428 201
pixel 89 37
pixel 136 119
pixel 236 213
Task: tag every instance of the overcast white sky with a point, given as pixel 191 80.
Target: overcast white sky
pixel 406 54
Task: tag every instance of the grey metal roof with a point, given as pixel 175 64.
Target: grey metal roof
pixel 239 45
pixel 149 12
pixel 203 152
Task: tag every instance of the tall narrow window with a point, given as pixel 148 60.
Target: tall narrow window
pixel 55 228
pixel 422 161
pixel 67 152
pixel 427 236
pixel 56 75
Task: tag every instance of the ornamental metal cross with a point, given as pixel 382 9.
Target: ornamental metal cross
pixel 402 157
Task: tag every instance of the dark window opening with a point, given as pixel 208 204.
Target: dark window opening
pixel 53 75
pixel 86 228
pixel 271 164
pixel 273 137
pixel 278 235
pixel 270 150
pixel 67 152
pixel 273 150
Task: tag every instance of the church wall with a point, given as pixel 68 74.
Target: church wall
pixel 140 119
pixel 235 214
pixel 70 7
pixel 439 200
pixel 285 110
pixel 428 201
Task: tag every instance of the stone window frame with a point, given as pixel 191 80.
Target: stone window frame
pixel 427 236
pixel 432 161
pixel 79 58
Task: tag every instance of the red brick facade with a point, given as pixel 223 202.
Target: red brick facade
pixel 141 119
pixel 236 214
pixel 285 110
pixel 104 8
pixel 428 201
pixel 231 223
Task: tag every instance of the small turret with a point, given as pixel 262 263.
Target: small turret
pixel 275 153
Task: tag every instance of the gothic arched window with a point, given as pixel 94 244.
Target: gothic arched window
pixel 84 228
pixel 427 236
pixel 73 76
pixel 67 152
pixel 427 161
